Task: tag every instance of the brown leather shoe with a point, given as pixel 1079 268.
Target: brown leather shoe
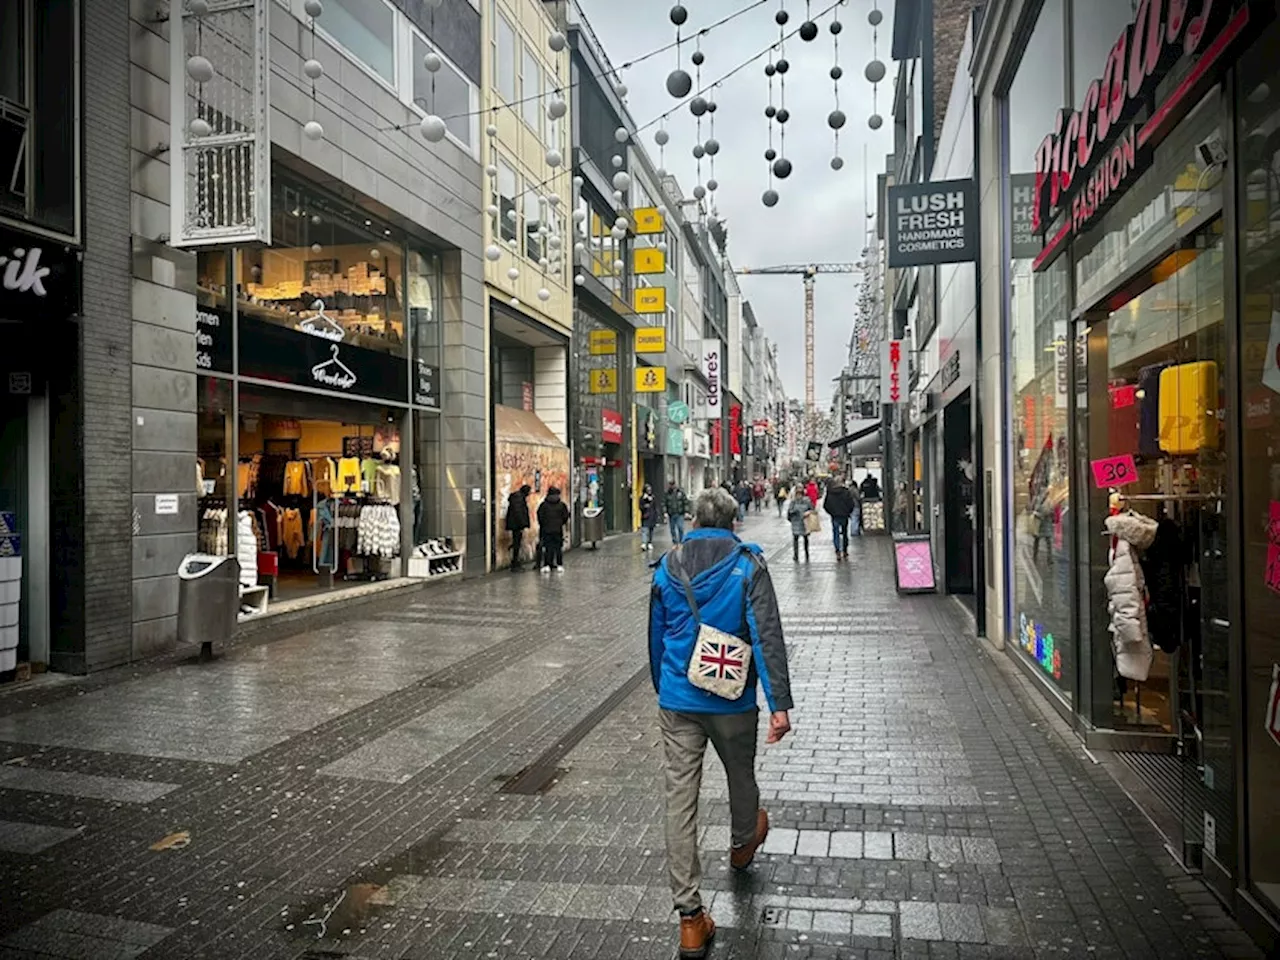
pixel 740 857
pixel 696 934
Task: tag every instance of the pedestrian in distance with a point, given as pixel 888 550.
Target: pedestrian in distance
pixel 713 584
pixel 841 505
pixel 676 505
pixel 811 491
pixel 518 522
pixel 648 517
pixel 742 494
pixel 780 494
pixel 798 507
pixel 757 494
pixel 553 517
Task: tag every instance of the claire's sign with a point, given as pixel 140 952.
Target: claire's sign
pixel 933 223
pixel 1091 153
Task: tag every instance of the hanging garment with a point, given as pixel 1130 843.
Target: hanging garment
pixel 1122 421
pixel 1164 566
pixel 369 472
pixel 293 539
pixel 378 531
pixel 1127 595
pixel 1189 408
pixel 247 550
pixel 295 479
pixel 325 534
pixel 348 524
pixel 324 472
pixel 387 484
pixel 348 475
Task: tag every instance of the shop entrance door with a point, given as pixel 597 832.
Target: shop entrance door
pixel 957 495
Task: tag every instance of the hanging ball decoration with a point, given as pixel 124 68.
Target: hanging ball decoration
pixel 621 90
pixel 316 248
pixel 713 185
pixel 314 69
pixel 577 181
pixel 808 31
pixel 875 121
pixel 875 18
pixel 698 58
pixel 553 200
pixel 699 151
pixel 199 127
pixel 513 243
pixel 617 266
pixel 514 301
pixel 432 128
pixel 836 119
pixel 491 171
pixel 699 192
pixel 712 147
pixel 491 130
pixel 554 159
pixel 198 8
pixel 679 84
pixel 621 222
pixel 782 168
pixel 579 216
pixel 781 18
pixel 432 62
pixel 662 212
pixel 313 131
pixel 698 106
pixel 679 15
pixel 316 219
pixel 579 280
pixel 770 69
pixel 784 115
pixel 375 254
pixel 556 41
pixel 544 263
pixel 711 106
pixel 771 111
pixel 557 108
pixel 544 294
pixel 511 216
pixel 555 243
pixel 783 65
pixel 491 210
pixel 662 246
pixel 837 163
pixel 493 252
pixel 513 274
pixel 771 154
pixel 835 28
pixel 579 247
pixel 313 8
pixel 875 71
pixel 662 172
pixel 619 233
pixel 199 69
pixel 617 195
pixel 770 198
pixel 837 72
pixel 662 138
pixel 621 181
pixel 617 162
pixel 622 135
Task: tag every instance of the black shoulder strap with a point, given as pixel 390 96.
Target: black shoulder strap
pixel 675 563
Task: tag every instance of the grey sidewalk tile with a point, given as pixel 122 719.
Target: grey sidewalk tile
pixel 846 844
pixel 798 920
pixel 961 922
pixel 824 922
pixel 555 899
pixel 877 846
pixel 872 925
pixel 18 837
pixel 980 850
pixel 919 921
pixel 85 785
pixel 1003 926
pixel 781 841
pixel 812 843
pixel 910 846
pixel 945 849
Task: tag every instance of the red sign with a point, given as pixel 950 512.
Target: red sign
pixel 1090 152
pixel 526 395
pixel 1114 471
pixel 1124 395
pixel 891 372
pixel 715 437
pixel 735 430
pixel 611 426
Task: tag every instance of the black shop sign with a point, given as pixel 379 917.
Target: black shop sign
pixel 931 223
pixel 39 278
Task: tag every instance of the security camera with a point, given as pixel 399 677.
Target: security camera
pixel 1211 151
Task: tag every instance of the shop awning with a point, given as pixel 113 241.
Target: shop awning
pixel 864 442
pixel 522 426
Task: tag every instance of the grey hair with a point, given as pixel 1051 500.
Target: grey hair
pixel 715 508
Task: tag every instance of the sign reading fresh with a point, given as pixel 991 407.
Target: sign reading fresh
pixel 933 223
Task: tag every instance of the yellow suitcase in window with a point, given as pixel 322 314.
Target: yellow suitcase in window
pixel 1189 408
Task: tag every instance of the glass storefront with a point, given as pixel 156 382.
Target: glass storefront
pixel 602 358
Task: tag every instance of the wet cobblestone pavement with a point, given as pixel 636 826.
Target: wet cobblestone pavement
pixel 341 793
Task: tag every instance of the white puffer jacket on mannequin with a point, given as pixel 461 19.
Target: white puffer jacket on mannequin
pixel 1127 594
pixel 247 550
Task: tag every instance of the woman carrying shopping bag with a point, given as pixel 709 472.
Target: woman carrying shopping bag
pixel 799 510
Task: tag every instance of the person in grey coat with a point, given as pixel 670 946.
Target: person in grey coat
pixel 797 507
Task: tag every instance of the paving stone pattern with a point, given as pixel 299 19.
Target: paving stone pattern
pixel 336 793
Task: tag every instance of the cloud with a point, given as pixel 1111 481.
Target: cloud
pixel 822 215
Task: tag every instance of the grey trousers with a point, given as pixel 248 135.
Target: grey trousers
pixel 684 740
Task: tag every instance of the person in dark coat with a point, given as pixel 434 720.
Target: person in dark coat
pixel 840 504
pixel 742 494
pixel 649 514
pixel 797 507
pixel 518 521
pixel 553 517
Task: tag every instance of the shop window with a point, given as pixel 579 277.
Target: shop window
pixel 533 247
pixel 504 66
pixel 508 187
pixel 531 91
pixel 365 28
pixel 445 93
pixel 423 286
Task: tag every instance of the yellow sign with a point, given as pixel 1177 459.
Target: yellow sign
pixel 650 260
pixel 651 340
pixel 648 220
pixel 650 300
pixel 604 381
pixel 651 379
pixel 602 343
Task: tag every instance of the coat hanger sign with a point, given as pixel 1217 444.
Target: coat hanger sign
pixel 320 325
pixel 334 373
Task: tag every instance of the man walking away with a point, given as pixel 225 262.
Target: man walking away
pixel 840 504
pixel 757 494
pixel 553 517
pixel 743 495
pixel 648 517
pixel 518 522
pixel 676 504
pixel 713 580
pixel 780 494
pixel 797 508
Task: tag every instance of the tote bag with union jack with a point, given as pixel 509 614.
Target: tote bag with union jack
pixel 721 662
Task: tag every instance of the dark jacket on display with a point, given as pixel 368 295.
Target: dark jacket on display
pixel 735 594
pixel 517 511
pixel 553 515
pixel 840 502
pixel 648 510
pixel 1164 565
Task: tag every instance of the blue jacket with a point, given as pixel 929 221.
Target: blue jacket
pixel 735 594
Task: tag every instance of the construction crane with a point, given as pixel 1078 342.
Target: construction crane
pixel 809 272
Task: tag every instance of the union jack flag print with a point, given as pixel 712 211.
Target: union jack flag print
pixel 722 661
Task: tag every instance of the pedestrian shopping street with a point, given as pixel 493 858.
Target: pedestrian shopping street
pixel 474 771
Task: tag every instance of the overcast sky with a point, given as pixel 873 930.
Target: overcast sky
pixel 821 215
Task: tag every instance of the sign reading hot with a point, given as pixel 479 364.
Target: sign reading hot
pixel 933 223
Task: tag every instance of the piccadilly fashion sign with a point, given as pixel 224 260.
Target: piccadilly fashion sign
pixel 1091 154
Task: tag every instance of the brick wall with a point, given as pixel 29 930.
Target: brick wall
pixel 950 22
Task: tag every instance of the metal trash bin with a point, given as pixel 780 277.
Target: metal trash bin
pixel 208 599
pixel 592 525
